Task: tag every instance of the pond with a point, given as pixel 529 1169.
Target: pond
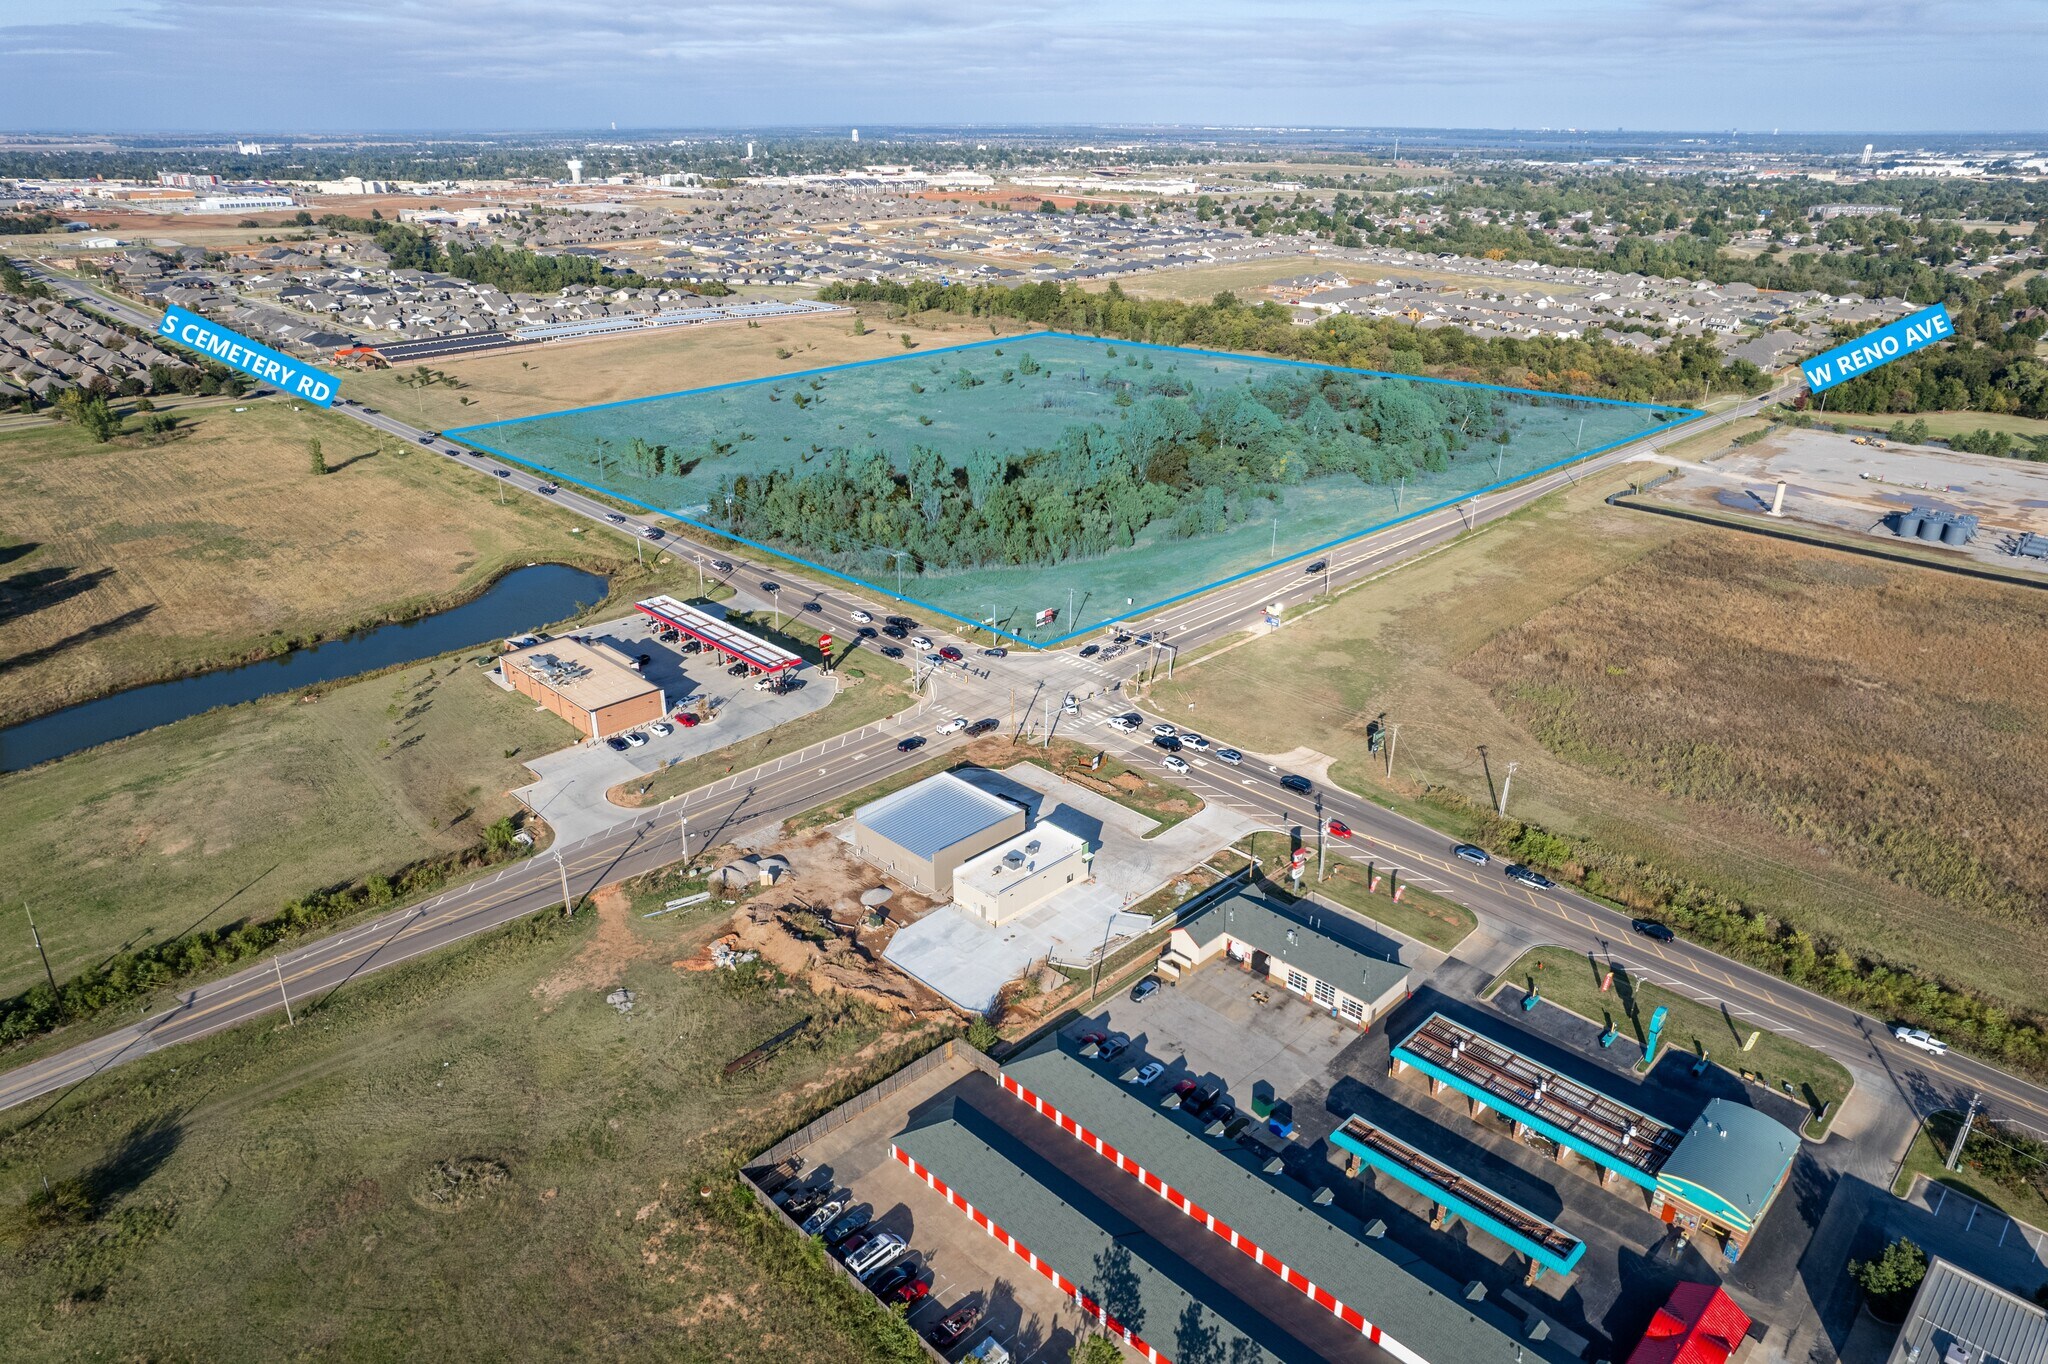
pixel 517 602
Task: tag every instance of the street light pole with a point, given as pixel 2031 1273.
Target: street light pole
pixel 568 905
pixel 278 963
pixel 1505 782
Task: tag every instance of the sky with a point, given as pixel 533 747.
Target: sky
pixel 255 66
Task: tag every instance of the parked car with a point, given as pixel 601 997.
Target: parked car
pixel 1184 1088
pixel 616 744
pixel 1651 929
pixel 1175 765
pixel 1221 1111
pixel 1090 650
pixel 851 1244
pixel 1229 755
pixel 980 727
pixel 1534 880
pixel 661 729
pixel 1339 829
pixel 637 739
pixel 1198 1102
pixel 1473 853
pixel 922 642
pixel 1112 1046
pixel 1298 784
pixel 954 1326
pixel 737 670
pixel 911 745
pixel 847 1223
pixel 1144 989
pixel 822 1216
pixel 1922 1039
pixel 769 683
pixel 911 1291
pixel 804 1201
pixel 861 617
pixel 893 1278
pixel 872 1258
pixel 686 719
pixel 1152 1071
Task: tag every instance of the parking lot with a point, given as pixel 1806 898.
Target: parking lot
pixel 570 786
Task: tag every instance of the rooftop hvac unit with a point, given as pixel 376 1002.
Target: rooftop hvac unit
pixel 1013 858
pixel 1032 846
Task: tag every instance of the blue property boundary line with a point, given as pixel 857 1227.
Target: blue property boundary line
pixel 1686 416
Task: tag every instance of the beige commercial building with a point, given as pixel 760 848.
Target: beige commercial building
pixel 592 686
pixel 1020 874
pixel 1311 952
pixel 921 833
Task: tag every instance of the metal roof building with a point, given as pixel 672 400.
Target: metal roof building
pixel 720 634
pixel 923 832
pixel 1138 1287
pixel 1958 1318
pixel 1307 950
pixel 1729 1165
pixel 1399 1303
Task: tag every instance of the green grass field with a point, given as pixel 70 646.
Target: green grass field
pixel 1940 424
pixel 470 1157
pixel 1571 981
pixel 1928 1156
pixel 1427 918
pixel 132 562
pixel 1730 710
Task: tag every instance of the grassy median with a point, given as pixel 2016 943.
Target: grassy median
pixel 1428 918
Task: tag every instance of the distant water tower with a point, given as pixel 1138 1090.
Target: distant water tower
pixel 575 171
pixel 1867 147
pixel 856 134
pixel 750 151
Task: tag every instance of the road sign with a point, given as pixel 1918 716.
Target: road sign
pixel 1048 615
pixel 1881 347
pixel 825 643
pixel 294 378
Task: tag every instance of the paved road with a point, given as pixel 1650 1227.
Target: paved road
pixel 983 686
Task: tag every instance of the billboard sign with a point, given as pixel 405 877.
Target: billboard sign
pixel 293 378
pixel 1881 347
pixel 1048 616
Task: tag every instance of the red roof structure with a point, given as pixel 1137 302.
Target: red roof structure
pixel 1698 1324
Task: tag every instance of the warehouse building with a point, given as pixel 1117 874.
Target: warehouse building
pixel 1313 953
pixel 592 686
pixel 1958 1318
pixel 921 834
pixel 1019 874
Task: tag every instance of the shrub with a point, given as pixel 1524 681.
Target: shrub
pixel 1891 1278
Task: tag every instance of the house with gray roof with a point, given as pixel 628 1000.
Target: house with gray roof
pixel 1316 954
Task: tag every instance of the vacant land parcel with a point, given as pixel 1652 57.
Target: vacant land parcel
pixel 1009 478
pixel 130 562
pixel 1854 746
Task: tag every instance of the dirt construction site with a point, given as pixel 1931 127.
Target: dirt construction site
pixel 1865 484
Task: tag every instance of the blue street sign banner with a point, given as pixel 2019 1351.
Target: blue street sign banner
pixel 293 378
pixel 1880 347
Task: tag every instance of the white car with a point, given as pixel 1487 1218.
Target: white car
pixel 870 1259
pixel 1152 1071
pixel 1121 725
pixel 922 643
pixel 661 728
pixel 1921 1038
pixel 1070 707
pixel 1164 730
pixel 637 739
pixel 862 617
pixel 953 726
pixel 1194 741
pixel 1174 764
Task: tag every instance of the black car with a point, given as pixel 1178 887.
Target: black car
pixel 891 651
pixel 1090 650
pixel 895 631
pixel 1650 928
pixel 1527 876
pixel 865 632
pixel 1221 1111
pixel 1294 783
pixel 980 727
pixel 1122 637
pixel 1317 567
pixel 737 670
pixel 1198 1102
pixel 995 653
pixel 911 745
pixel 1144 989
pixel 812 606
pixel 904 621
pixel 895 1276
pixel 1167 742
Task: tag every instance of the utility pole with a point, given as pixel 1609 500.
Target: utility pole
pixel 683 828
pixel 35 934
pixel 1393 736
pixel 1581 441
pixel 278 963
pixel 1505 782
pixel 1955 1153
pixel 1326 576
pixel 700 577
pixel 1276 538
pixel 1322 842
pixel 568 905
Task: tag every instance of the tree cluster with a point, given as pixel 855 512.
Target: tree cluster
pixel 1189 461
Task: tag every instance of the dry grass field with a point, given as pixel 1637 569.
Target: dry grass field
pixel 130 562
pixel 1854 747
pixel 550 378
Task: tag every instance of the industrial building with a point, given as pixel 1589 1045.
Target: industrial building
pixel 592 686
pixel 1718 1178
pixel 1958 1318
pixel 1021 873
pixel 923 833
pixel 1308 951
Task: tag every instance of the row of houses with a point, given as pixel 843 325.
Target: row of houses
pixel 47 347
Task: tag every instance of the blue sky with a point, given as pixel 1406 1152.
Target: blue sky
pixel 263 65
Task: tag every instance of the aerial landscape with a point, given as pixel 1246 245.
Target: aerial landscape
pixel 1030 686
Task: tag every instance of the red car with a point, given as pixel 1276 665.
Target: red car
pixel 951 654
pixel 910 1292
pixel 1339 829
pixel 685 719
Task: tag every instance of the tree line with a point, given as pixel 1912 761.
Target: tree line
pixel 1685 371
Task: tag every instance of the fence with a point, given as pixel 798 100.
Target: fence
pixel 943 1054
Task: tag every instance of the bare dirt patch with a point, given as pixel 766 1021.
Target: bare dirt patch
pixel 612 948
